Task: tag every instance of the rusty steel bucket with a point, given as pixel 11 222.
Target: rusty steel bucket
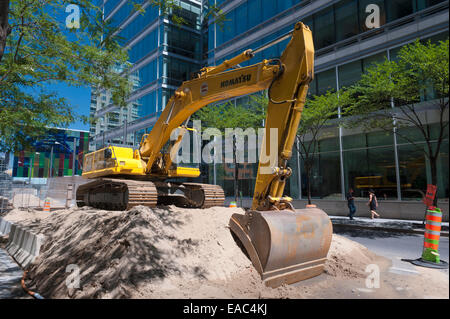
pixel 285 246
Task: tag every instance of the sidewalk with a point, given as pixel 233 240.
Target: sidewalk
pixel 382 224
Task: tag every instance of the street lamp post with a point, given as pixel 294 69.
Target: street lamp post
pixel 50 175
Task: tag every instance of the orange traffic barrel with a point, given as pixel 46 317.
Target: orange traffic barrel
pixel 430 254
pixel 432 234
pixel 47 205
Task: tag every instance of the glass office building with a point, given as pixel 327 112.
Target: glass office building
pixel 57 154
pixel 164 54
pixel 345 48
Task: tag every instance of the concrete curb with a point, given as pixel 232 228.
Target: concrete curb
pixel 23 245
pixel 5 227
pixel 383 228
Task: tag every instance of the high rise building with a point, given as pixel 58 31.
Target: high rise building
pixel 163 55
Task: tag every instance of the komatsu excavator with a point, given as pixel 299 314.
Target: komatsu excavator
pixel 285 245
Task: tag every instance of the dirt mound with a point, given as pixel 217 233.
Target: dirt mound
pixel 348 259
pixel 165 252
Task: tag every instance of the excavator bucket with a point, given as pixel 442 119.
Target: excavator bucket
pixel 285 246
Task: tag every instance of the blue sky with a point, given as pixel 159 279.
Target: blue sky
pixel 79 98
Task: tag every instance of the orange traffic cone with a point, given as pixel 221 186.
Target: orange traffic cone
pixel 47 205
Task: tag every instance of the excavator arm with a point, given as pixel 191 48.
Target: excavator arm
pixel 193 95
pixel 287 78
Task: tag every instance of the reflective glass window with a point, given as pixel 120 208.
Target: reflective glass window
pixel 372 60
pixel 325 176
pixel 211 37
pixel 109 6
pixel 147 104
pixel 326 81
pixel 145 46
pixel 397 9
pixel 423 4
pixel 269 9
pixel 346 14
pixel 241 19
pixel 229 26
pixel 413 175
pixel 255 13
pixel 285 4
pixel 371 168
pixel 349 73
pixel 324 28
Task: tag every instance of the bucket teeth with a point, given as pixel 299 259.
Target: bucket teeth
pixel 285 246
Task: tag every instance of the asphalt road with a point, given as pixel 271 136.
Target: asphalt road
pixel 395 247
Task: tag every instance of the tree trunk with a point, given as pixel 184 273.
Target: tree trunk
pixel 236 171
pixel 308 182
pixel 433 166
pixel 5 28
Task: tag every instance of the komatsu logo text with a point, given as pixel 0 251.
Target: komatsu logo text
pixel 240 79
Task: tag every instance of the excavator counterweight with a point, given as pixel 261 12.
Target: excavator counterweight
pixel 285 244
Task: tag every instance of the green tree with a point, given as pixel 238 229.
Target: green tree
pixel 318 111
pixel 389 96
pixel 229 115
pixel 37 49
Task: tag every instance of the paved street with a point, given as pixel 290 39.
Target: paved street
pixel 420 281
pixel 395 246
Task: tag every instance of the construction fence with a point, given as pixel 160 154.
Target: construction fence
pixel 24 194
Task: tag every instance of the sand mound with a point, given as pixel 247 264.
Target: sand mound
pixel 165 252
pixel 348 259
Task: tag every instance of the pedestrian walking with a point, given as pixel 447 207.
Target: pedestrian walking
pixel 351 203
pixel 373 204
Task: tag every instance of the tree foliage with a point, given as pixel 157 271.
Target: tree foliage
pixel 390 96
pixel 37 49
pixel 229 115
pixel 317 113
pixel 40 50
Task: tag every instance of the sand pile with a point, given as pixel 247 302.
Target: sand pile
pixel 165 252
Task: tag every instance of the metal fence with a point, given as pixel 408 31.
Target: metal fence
pixel 5 187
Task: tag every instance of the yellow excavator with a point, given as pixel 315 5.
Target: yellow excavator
pixel 285 244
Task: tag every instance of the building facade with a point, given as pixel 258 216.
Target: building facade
pixel 345 47
pixel 164 54
pixel 58 154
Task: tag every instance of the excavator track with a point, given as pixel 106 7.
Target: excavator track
pixel 190 195
pixel 122 194
pixel 213 194
pixel 117 194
